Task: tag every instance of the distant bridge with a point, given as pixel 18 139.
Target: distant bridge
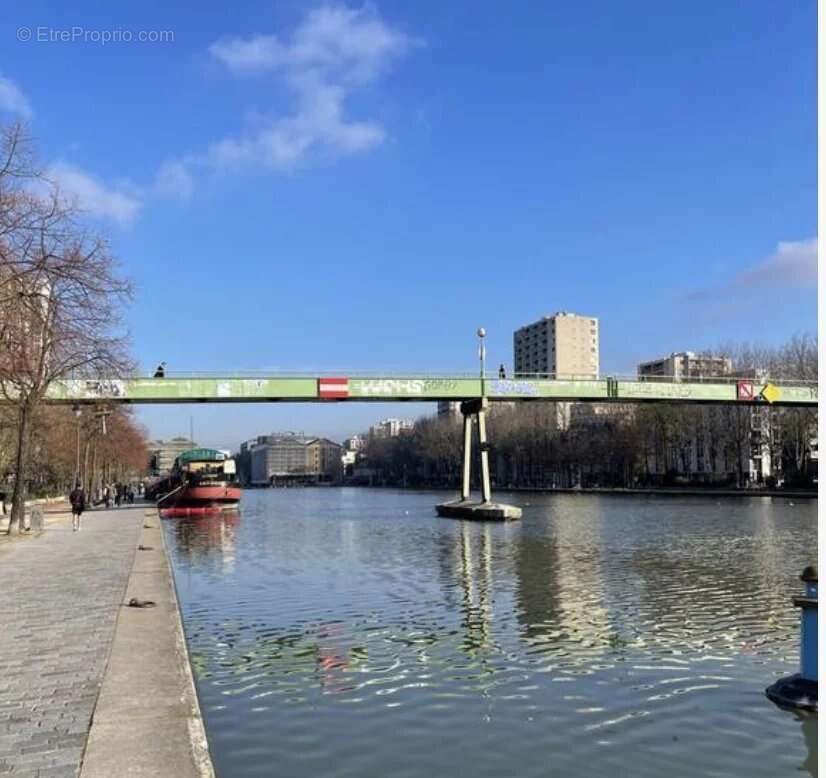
pixel 355 388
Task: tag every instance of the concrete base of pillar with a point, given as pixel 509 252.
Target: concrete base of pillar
pixel 478 511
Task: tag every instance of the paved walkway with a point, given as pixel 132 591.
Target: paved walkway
pixel 147 722
pixel 61 594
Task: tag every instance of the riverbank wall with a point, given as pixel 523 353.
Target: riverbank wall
pixel 147 721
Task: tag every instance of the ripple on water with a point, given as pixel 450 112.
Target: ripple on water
pixel 352 628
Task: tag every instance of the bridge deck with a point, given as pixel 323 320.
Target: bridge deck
pixel 394 389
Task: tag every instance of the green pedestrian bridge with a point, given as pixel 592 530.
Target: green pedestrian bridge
pixel 474 394
pixel 361 388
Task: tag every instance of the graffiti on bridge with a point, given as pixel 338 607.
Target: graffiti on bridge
pixel 504 387
pixel 424 387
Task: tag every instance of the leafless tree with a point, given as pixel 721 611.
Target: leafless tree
pixel 61 295
pixel 645 444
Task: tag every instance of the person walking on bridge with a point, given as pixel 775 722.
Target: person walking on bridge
pixel 78 501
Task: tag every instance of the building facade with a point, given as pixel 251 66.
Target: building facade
pixel 562 345
pixel 681 365
pixel 163 453
pixel 294 458
pixel 449 409
pixel 391 428
pixel 324 459
pixel 355 443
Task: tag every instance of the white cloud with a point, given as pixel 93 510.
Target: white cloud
pixel 332 53
pixel 174 180
pixel 345 43
pixel 318 123
pixel 12 99
pixel 92 196
pixel 793 265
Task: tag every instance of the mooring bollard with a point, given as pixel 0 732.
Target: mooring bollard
pixel 800 690
pixel 37 519
pixel 808 625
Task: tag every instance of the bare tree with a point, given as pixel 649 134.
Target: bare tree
pixel 61 297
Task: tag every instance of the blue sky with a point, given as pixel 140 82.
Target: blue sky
pixel 351 187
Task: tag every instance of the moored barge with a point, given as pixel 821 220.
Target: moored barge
pixel 202 480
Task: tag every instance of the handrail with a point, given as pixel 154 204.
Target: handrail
pixel 489 375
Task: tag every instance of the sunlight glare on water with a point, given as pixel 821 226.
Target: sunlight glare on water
pixel 350 632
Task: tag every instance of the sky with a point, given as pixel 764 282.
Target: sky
pixel 357 187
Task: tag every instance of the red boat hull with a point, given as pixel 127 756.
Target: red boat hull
pixel 189 513
pixel 202 498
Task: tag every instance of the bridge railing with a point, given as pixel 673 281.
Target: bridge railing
pixel 489 376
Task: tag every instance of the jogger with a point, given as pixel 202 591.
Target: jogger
pixel 78 500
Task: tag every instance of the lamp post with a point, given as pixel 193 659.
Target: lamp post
pixel 101 414
pixel 481 333
pixel 480 419
pixel 77 411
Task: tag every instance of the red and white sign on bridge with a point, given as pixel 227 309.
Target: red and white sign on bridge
pixel 745 390
pixel 333 388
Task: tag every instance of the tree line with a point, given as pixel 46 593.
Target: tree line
pixel 547 445
pixel 62 296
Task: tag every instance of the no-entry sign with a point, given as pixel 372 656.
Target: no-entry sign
pixel 333 388
pixel 745 390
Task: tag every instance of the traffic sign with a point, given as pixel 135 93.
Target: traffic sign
pixel 333 388
pixel 771 393
pixel 745 390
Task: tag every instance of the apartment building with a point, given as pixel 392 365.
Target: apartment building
pixel 683 365
pixel 558 346
pixel 391 428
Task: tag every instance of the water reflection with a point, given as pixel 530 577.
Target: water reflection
pixel 208 536
pixel 538 597
pixel 476 581
pixel 808 725
pixel 593 630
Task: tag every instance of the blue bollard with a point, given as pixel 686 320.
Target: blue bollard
pixel 808 625
pixel 800 690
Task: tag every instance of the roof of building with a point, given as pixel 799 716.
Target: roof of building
pixel 201 455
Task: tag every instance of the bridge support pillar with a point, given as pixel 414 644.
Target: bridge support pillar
pixel 464 508
pixel 467 421
pixel 483 454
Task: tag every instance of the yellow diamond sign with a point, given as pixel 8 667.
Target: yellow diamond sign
pixel 771 393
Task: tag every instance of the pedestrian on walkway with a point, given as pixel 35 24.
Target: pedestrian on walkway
pixel 78 500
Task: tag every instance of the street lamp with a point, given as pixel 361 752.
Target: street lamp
pixel 77 411
pixel 481 333
pixel 102 414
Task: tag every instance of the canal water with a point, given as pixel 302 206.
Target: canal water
pixel 350 632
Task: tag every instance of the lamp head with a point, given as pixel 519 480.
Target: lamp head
pixel 481 332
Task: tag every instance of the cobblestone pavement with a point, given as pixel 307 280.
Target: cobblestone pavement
pixel 61 594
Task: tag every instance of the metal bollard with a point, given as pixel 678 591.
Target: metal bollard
pixel 808 625
pixel 800 690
